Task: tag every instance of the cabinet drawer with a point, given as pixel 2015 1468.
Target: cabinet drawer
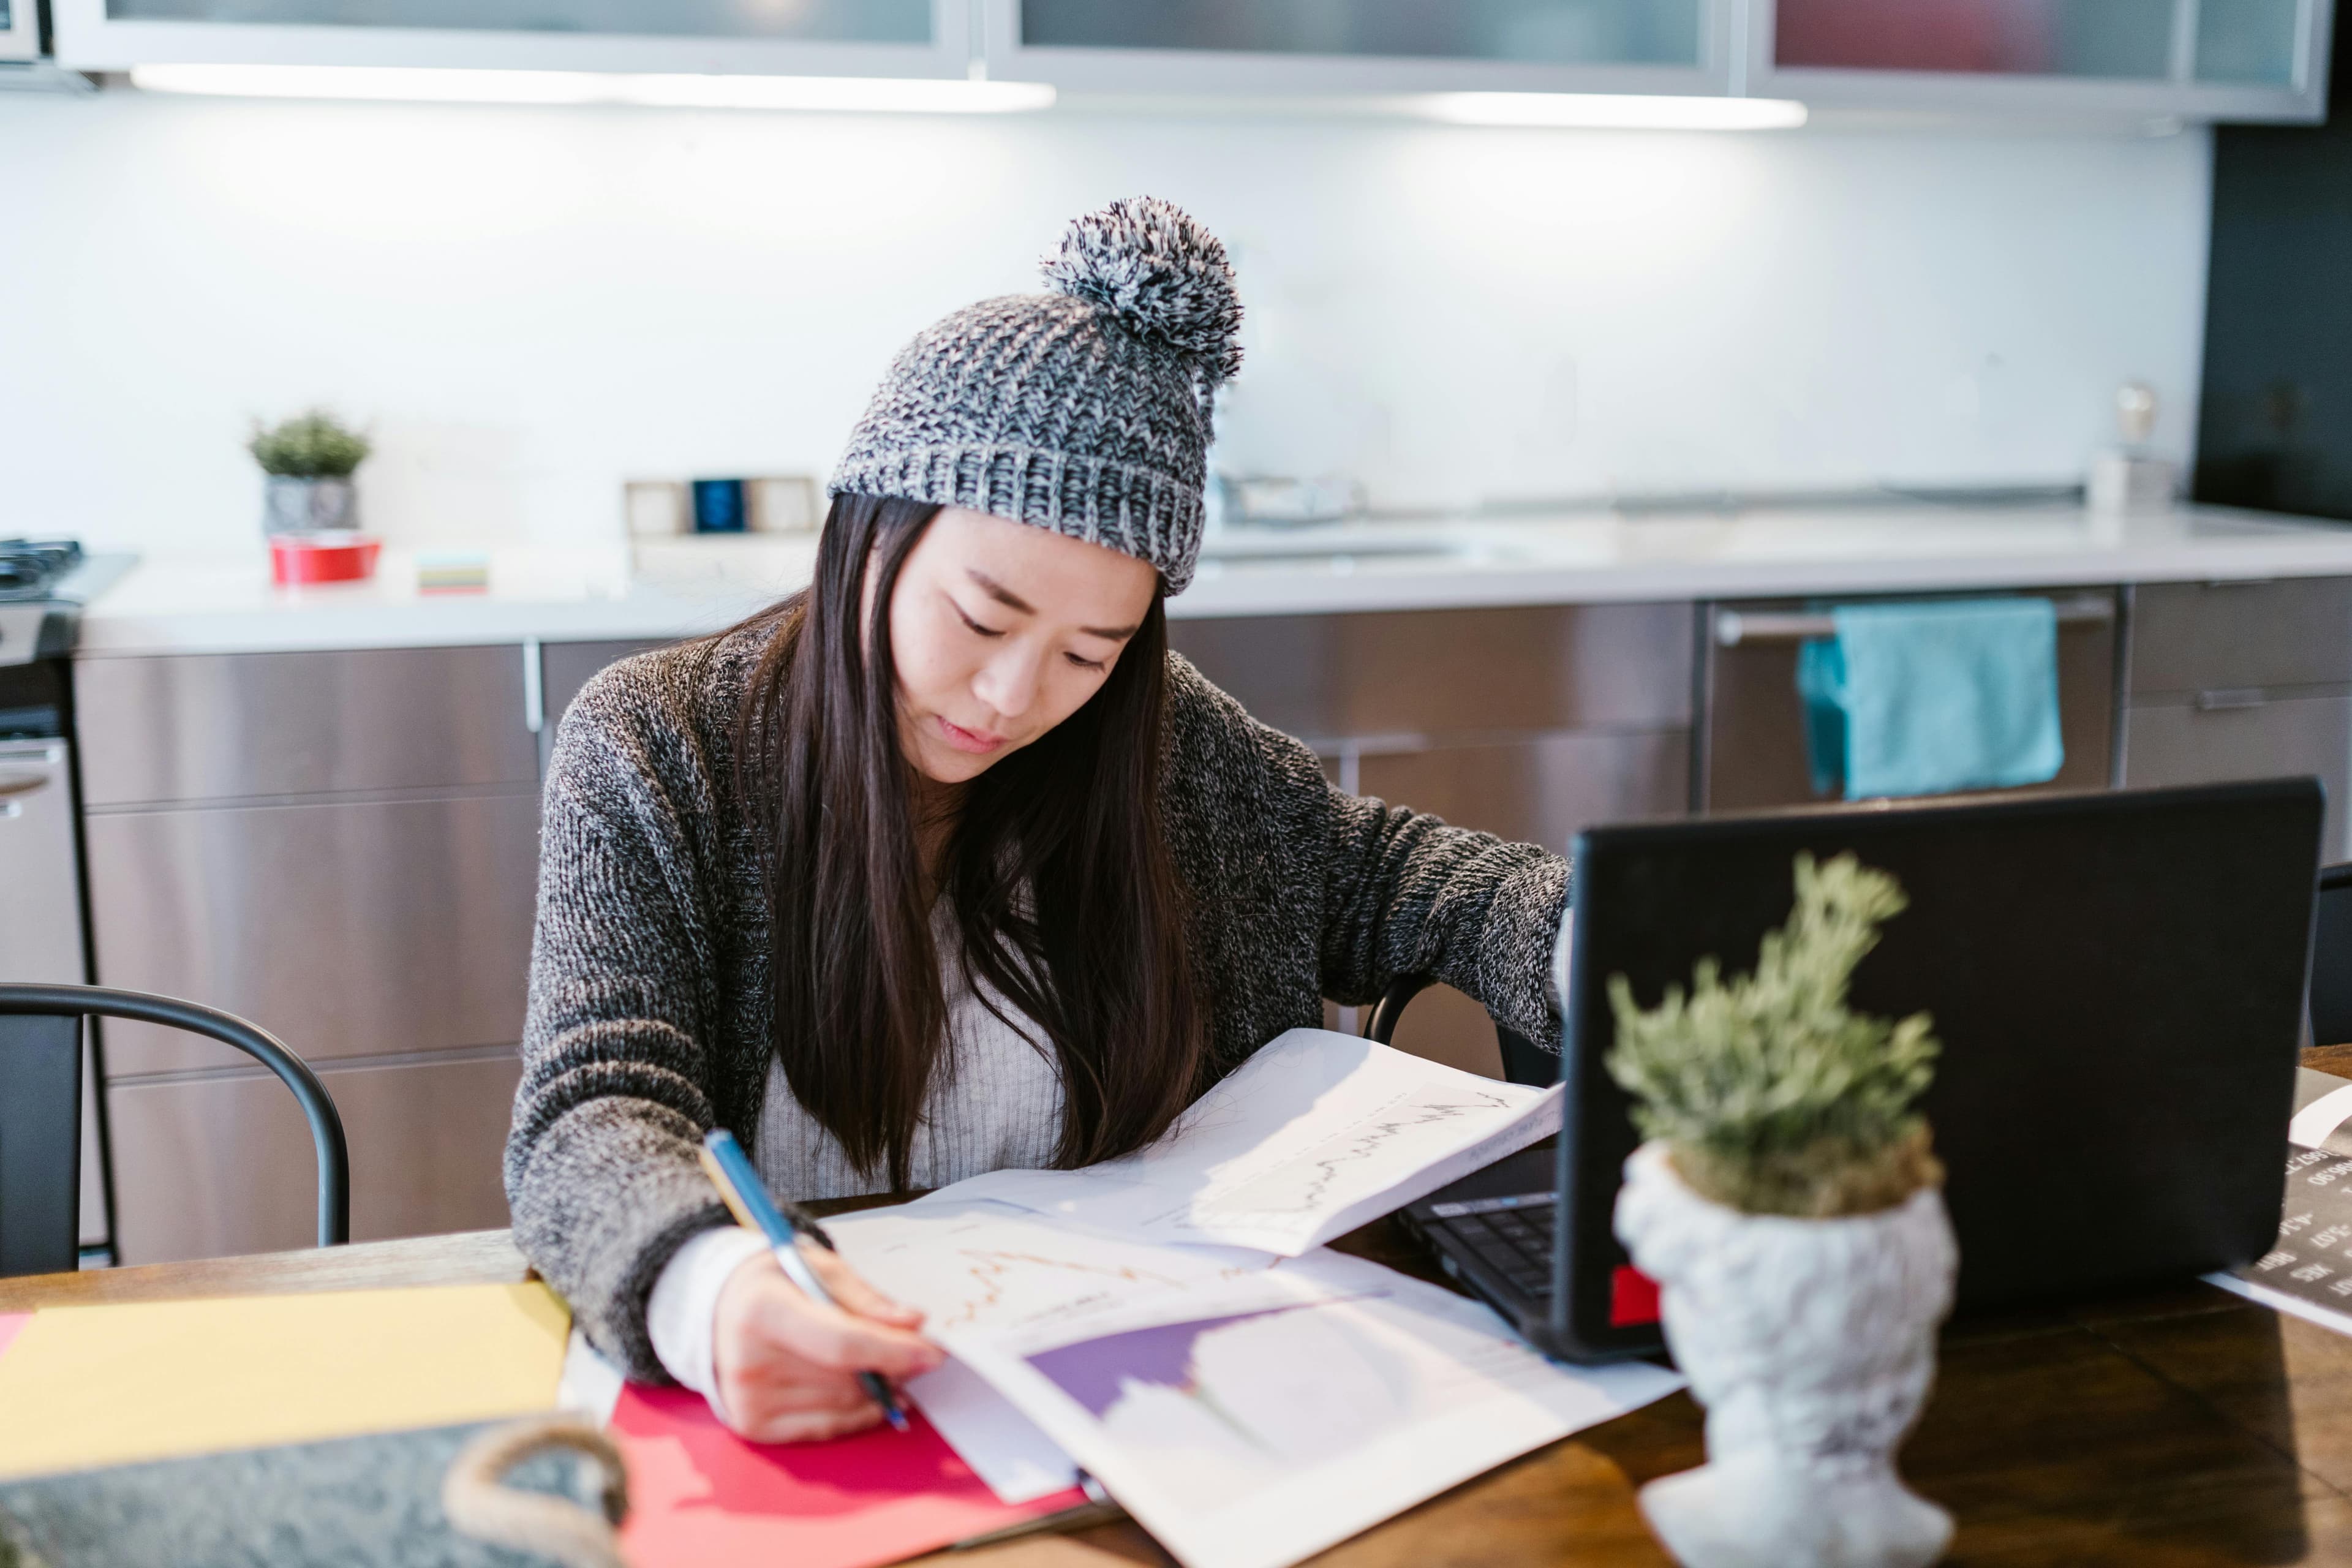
pixel 2178 743
pixel 346 927
pixel 228 726
pixel 2212 636
pixel 1438 672
pixel 1540 791
pixel 222 1165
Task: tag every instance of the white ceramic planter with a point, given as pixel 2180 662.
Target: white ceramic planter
pixel 292 505
pixel 1811 1343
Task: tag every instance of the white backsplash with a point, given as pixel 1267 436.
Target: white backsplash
pixel 530 305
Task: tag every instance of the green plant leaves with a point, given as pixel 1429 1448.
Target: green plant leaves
pixel 1769 1088
pixel 314 446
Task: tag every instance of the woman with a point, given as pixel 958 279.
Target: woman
pixel 947 865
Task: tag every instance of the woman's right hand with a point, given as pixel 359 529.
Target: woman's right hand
pixel 787 1366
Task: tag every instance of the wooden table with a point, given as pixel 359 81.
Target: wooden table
pixel 2183 1427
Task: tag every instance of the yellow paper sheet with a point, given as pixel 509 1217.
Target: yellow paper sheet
pixel 85 1386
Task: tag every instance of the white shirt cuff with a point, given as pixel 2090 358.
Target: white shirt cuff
pixel 1560 966
pixel 681 1313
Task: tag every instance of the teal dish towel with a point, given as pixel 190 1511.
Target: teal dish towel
pixel 1933 695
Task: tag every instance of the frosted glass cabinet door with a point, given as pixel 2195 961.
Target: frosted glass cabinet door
pixel 1556 32
pixel 2224 60
pixel 2247 40
pixel 833 21
pixel 788 38
pixel 1281 47
pixel 2125 38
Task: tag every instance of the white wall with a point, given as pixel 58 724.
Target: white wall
pixel 528 305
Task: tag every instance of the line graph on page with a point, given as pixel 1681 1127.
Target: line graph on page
pixel 1303 1181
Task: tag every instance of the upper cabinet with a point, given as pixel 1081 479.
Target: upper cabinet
pixel 2203 60
pixel 812 37
pixel 1364 46
pixel 2132 60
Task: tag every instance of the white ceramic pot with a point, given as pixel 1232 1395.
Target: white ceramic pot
pixel 1811 1343
pixel 291 505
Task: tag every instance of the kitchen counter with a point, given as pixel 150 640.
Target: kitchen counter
pixel 690 586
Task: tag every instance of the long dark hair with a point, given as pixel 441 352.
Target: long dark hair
pixel 1063 894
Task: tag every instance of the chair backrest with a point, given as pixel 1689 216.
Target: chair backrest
pixel 41 1114
pixel 1524 1061
pixel 2331 959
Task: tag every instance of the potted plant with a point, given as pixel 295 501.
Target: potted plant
pixel 309 461
pixel 1790 1207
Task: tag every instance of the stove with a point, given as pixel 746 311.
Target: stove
pixel 32 568
pixel 44 583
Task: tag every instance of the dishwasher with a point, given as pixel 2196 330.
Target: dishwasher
pixel 1750 750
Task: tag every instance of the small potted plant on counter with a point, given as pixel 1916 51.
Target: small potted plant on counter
pixel 309 507
pixel 1790 1207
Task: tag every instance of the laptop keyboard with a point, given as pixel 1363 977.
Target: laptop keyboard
pixel 1513 1234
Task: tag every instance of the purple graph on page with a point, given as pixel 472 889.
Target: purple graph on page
pixel 1095 1372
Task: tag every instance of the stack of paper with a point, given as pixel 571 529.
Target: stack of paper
pixel 1170 1322
pixel 1248 1410
pixel 85 1386
pixel 1315 1134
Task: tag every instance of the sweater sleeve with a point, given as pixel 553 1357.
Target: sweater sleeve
pixel 1404 893
pixel 601 1168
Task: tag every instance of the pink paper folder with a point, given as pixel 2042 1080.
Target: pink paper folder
pixel 699 1495
pixel 10 1325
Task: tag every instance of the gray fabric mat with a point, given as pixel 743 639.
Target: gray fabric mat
pixel 355 1503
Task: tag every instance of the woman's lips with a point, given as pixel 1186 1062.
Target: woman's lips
pixel 980 742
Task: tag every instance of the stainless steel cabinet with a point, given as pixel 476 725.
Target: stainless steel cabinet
pixel 346 927
pixel 2189 637
pixel 2245 680
pixel 210 727
pixel 342 846
pixel 1529 722
pixel 210 1165
pixel 2248 737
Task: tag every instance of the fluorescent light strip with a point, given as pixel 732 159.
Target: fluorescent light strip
pixel 432 85
pixel 1614 111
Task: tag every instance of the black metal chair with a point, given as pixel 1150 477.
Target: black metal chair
pixel 2331 959
pixel 1523 1060
pixel 40 1114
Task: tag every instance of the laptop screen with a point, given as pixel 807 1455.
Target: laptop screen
pixel 2116 979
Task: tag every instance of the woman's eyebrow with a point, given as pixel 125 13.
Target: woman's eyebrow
pixel 1012 601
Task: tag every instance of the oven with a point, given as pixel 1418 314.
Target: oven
pixel 1751 727
pixel 44 915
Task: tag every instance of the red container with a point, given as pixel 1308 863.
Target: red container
pixel 298 558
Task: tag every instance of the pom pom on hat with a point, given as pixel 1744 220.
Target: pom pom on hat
pixel 1160 275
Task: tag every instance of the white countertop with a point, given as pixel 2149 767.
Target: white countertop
pixel 227 605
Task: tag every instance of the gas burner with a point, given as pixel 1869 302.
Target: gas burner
pixel 30 568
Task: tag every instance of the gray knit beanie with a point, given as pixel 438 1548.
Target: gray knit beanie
pixel 1086 410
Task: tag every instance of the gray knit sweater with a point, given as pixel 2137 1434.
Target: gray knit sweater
pixel 649 1017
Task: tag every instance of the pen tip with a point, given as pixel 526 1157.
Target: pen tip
pixel 898 1420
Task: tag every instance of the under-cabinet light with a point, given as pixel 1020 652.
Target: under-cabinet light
pixel 1612 111
pixel 423 84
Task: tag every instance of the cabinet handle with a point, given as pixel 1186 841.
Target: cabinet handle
pixel 534 688
pixel 1734 627
pixel 2229 700
pixel 22 784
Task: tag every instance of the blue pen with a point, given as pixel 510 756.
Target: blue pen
pixel 747 1198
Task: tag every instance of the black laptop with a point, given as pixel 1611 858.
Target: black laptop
pixel 2118 983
